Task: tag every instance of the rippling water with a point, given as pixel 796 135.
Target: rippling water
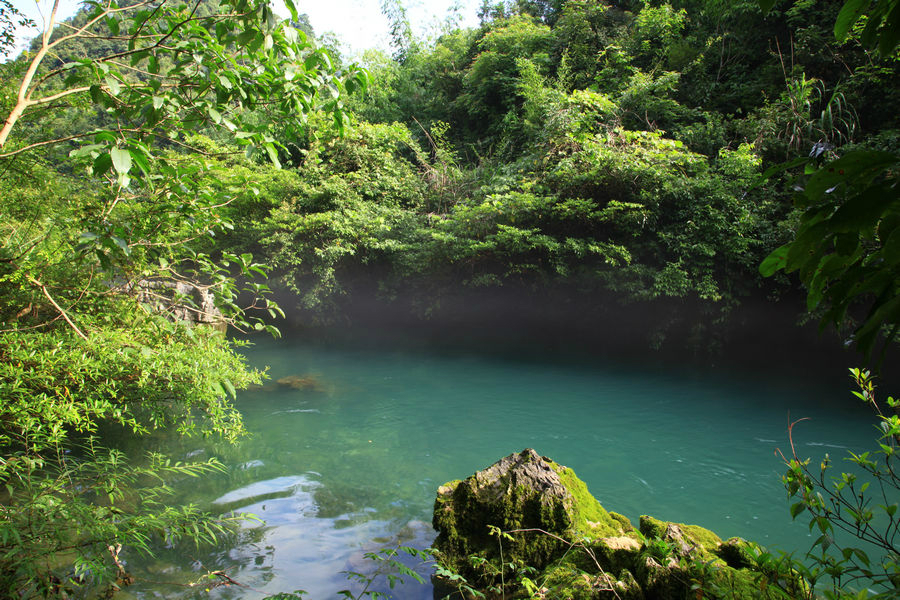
pixel 349 461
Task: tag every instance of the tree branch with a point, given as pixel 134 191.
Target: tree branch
pixel 58 307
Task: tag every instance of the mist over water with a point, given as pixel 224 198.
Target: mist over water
pixel 348 460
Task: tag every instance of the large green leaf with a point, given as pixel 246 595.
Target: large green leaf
pixel 850 13
pixel 864 210
pixel 121 159
pixel 775 261
pixel 858 167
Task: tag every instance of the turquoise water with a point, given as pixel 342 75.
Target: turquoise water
pixel 350 462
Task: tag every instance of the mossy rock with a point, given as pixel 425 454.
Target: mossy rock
pixel 617 553
pixel 690 541
pixel 542 504
pixel 564 581
pixel 572 545
pixel 736 553
pixel 666 580
pixel 627 587
pixel 624 521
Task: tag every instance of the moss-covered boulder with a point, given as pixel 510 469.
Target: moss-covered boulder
pixel 539 504
pixel 531 524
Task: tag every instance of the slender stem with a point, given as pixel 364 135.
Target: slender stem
pixel 58 307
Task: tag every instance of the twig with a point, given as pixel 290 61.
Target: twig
pixel 58 307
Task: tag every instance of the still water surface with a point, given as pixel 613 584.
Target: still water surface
pixel 350 462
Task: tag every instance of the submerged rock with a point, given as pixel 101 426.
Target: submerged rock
pixel 527 526
pixel 301 382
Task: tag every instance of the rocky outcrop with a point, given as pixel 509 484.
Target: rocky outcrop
pixel 527 525
pixel 180 300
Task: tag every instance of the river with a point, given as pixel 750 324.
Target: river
pixel 347 459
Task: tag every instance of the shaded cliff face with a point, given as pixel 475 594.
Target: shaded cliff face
pixel 528 521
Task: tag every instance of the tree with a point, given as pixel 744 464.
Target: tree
pixel 100 250
pixel 10 18
pixel 881 19
pixel 846 251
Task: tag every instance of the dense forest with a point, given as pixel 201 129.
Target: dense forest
pixel 164 163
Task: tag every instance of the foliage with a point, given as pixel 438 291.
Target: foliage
pixel 65 521
pixel 351 205
pixel 158 74
pixel 854 513
pixel 102 260
pixel 83 348
pixel 389 567
pixel 10 19
pixel 142 377
pixel 882 22
pixel 846 249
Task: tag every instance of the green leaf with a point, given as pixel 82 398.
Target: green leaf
pixel 88 150
pixel 121 159
pixel 102 164
pixel 273 154
pixel 97 94
pixel 775 261
pixel 244 38
pixel 292 9
pixel 858 167
pixel 113 84
pixel 780 168
pixel 113 25
pixel 122 244
pixel 862 211
pixel 890 32
pixel 861 556
pixel 140 158
pixel 850 13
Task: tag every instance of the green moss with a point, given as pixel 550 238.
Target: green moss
pixel 705 538
pixel 624 521
pixel 615 554
pixel 590 518
pixel 705 542
pixel 736 553
pixel 627 587
pixel 652 527
pixel 567 581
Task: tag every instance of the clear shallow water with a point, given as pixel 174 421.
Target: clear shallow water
pixel 353 465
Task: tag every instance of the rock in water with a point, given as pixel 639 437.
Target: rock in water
pixel 527 527
pixel 544 504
